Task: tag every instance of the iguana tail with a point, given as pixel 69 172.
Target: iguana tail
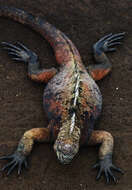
pixel 63 47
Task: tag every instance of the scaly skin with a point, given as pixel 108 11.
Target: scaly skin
pixel 72 99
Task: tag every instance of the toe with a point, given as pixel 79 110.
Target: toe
pixel 116 39
pixel 22 46
pixel 6 157
pixel 107 176
pixel 17 59
pixel 114 43
pixel 19 168
pixel 105 37
pixel 117 169
pixel 11 168
pixel 112 176
pixel 115 36
pixel 11 46
pixel 99 174
pixel 7 165
pixel 11 50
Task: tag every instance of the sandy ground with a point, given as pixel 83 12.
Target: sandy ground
pixel 84 21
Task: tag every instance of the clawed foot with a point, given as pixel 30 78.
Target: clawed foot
pixel 106 43
pixel 105 166
pixel 19 52
pixel 16 160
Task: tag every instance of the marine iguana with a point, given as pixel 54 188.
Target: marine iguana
pixel 71 99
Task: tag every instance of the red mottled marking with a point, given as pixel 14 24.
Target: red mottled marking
pixel 54 107
pixel 63 54
pixel 85 94
pixel 98 74
pixel 44 76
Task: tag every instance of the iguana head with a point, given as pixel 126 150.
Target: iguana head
pixel 66 149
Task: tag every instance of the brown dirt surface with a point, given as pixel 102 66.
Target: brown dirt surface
pixel 84 21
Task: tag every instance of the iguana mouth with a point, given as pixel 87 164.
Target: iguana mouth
pixel 63 158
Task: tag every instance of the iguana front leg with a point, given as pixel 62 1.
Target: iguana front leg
pixel 105 154
pixel 18 158
pixel 104 45
pixel 19 52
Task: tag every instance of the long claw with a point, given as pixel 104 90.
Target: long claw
pixel 114 43
pixel 117 169
pixel 107 177
pixel 105 37
pixel 5 157
pixel 20 52
pixel 112 175
pixel 11 169
pixel 99 174
pixel 17 160
pixel 106 166
pixel 21 45
pixel 116 39
pixel 13 54
pixel 11 45
pixel 105 43
pixel 116 35
pixel 7 165
pixel 17 59
pixel 19 168
pixel 11 50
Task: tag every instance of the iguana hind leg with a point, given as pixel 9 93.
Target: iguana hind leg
pixel 105 154
pixel 19 52
pixel 104 45
pixel 18 158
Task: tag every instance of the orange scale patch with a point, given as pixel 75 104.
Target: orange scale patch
pixel 99 73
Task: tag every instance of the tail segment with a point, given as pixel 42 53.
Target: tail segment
pixel 55 37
